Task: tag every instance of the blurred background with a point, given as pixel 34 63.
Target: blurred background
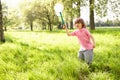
pixel 40 14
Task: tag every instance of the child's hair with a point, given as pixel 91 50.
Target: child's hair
pixel 80 20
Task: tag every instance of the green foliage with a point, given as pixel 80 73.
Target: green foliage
pixel 101 76
pixel 53 56
pixel 115 7
pixel 41 12
pixel 5 13
pixel 34 56
pixel 101 7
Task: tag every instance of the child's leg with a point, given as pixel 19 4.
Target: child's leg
pixel 88 56
pixel 80 55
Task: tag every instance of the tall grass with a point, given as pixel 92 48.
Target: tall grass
pixel 53 56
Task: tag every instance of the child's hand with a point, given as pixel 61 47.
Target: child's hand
pixel 64 26
pixel 93 45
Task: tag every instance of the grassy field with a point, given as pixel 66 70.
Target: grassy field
pixel 53 56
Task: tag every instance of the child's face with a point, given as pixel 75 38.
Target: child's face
pixel 78 25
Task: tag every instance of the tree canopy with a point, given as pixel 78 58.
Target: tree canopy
pixel 41 14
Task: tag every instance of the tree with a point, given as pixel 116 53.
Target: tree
pixel 45 13
pixel 115 7
pixel 2 38
pixel 68 5
pixel 77 4
pixel 49 13
pixel 69 11
pixel 72 9
pixel 30 18
pixel 28 12
pixel 5 15
pixel 101 8
pixel 91 6
pixel 77 8
pixel 39 11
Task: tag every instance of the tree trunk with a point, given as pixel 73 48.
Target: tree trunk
pixel 5 28
pixel 71 21
pixel 2 39
pixel 49 22
pixel 92 24
pixel 31 25
pixel 50 27
pixel 71 24
pixel 43 26
pixel 78 8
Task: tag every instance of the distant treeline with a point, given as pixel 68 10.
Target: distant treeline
pixel 97 24
pixel 108 23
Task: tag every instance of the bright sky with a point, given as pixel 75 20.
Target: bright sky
pixel 12 3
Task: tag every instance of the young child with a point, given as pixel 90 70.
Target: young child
pixel 85 39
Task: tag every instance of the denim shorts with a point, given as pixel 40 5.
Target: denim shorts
pixel 86 55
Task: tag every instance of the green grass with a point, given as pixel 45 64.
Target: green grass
pixel 53 56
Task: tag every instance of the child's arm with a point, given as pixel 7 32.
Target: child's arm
pixel 67 31
pixel 93 41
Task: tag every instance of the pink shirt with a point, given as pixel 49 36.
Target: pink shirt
pixel 83 36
